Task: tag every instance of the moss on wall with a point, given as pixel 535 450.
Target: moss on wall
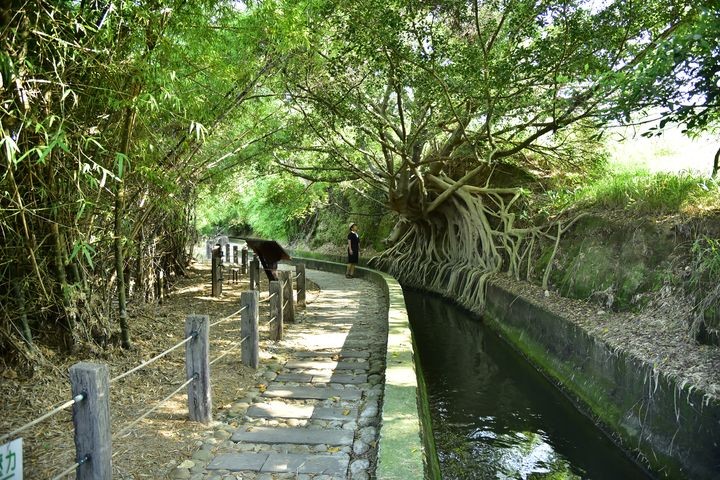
pixel 610 262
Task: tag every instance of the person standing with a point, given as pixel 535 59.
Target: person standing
pixel 353 249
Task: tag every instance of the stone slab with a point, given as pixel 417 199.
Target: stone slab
pixel 282 410
pixel 359 344
pixel 323 377
pixel 238 461
pixel 326 365
pixel 281 391
pixel 307 464
pixel 331 353
pixel 340 378
pixel 294 377
pixel 326 373
pixel 302 436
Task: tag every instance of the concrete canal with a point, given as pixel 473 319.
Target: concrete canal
pixel 493 414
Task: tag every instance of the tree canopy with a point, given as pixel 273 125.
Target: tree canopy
pixel 117 116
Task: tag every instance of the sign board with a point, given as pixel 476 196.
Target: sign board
pixel 11 463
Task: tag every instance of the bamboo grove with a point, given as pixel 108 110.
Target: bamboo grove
pixel 105 108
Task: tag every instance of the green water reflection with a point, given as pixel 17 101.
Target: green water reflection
pixel 494 416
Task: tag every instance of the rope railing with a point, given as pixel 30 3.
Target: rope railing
pixel 155 358
pixel 284 305
pixel 91 379
pixel 230 350
pixel 228 317
pixel 129 426
pixel 70 470
pixel 285 283
pixel 272 320
pixel 47 415
pixel 267 299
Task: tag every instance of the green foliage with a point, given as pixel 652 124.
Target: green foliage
pixel 269 207
pixel 636 190
pixel 705 285
pixel 706 263
pixel 680 76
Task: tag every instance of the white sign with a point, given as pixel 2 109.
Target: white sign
pixel 11 464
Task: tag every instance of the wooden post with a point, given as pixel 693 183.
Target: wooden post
pixel 300 282
pixel 288 306
pixel 276 311
pixel 197 365
pixel 227 253
pixel 244 261
pixel 235 254
pixel 91 418
pixel 160 276
pixel 216 271
pixel 255 274
pixel 250 352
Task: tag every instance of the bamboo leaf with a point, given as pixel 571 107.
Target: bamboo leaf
pixel 11 148
pixel 120 160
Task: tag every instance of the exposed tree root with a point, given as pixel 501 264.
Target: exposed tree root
pixel 460 245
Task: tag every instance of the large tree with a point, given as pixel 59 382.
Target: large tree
pixel 447 106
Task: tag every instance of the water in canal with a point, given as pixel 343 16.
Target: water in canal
pixel 493 415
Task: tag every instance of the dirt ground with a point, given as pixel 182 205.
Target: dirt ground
pixel 166 437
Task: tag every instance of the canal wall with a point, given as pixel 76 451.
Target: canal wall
pixel 673 429
pixel 406 447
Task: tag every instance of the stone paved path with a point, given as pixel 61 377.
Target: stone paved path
pixel 317 415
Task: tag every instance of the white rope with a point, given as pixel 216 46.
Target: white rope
pixel 285 283
pixel 272 319
pixel 49 414
pixel 126 430
pixel 232 349
pixel 228 317
pixel 285 305
pixel 268 298
pixel 157 357
pixel 69 470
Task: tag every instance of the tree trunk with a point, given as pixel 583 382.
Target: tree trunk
pixel 19 291
pixel 119 266
pixel 128 125
pixel 716 162
pixel 65 289
pixel 140 268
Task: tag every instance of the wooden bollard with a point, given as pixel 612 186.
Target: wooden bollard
pixel 255 274
pixel 197 365
pixel 244 261
pixel 216 271
pixel 276 311
pixel 91 418
pixel 159 285
pixel 208 249
pixel 288 306
pixel 250 351
pixel 300 282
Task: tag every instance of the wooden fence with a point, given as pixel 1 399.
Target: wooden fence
pixel 90 382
